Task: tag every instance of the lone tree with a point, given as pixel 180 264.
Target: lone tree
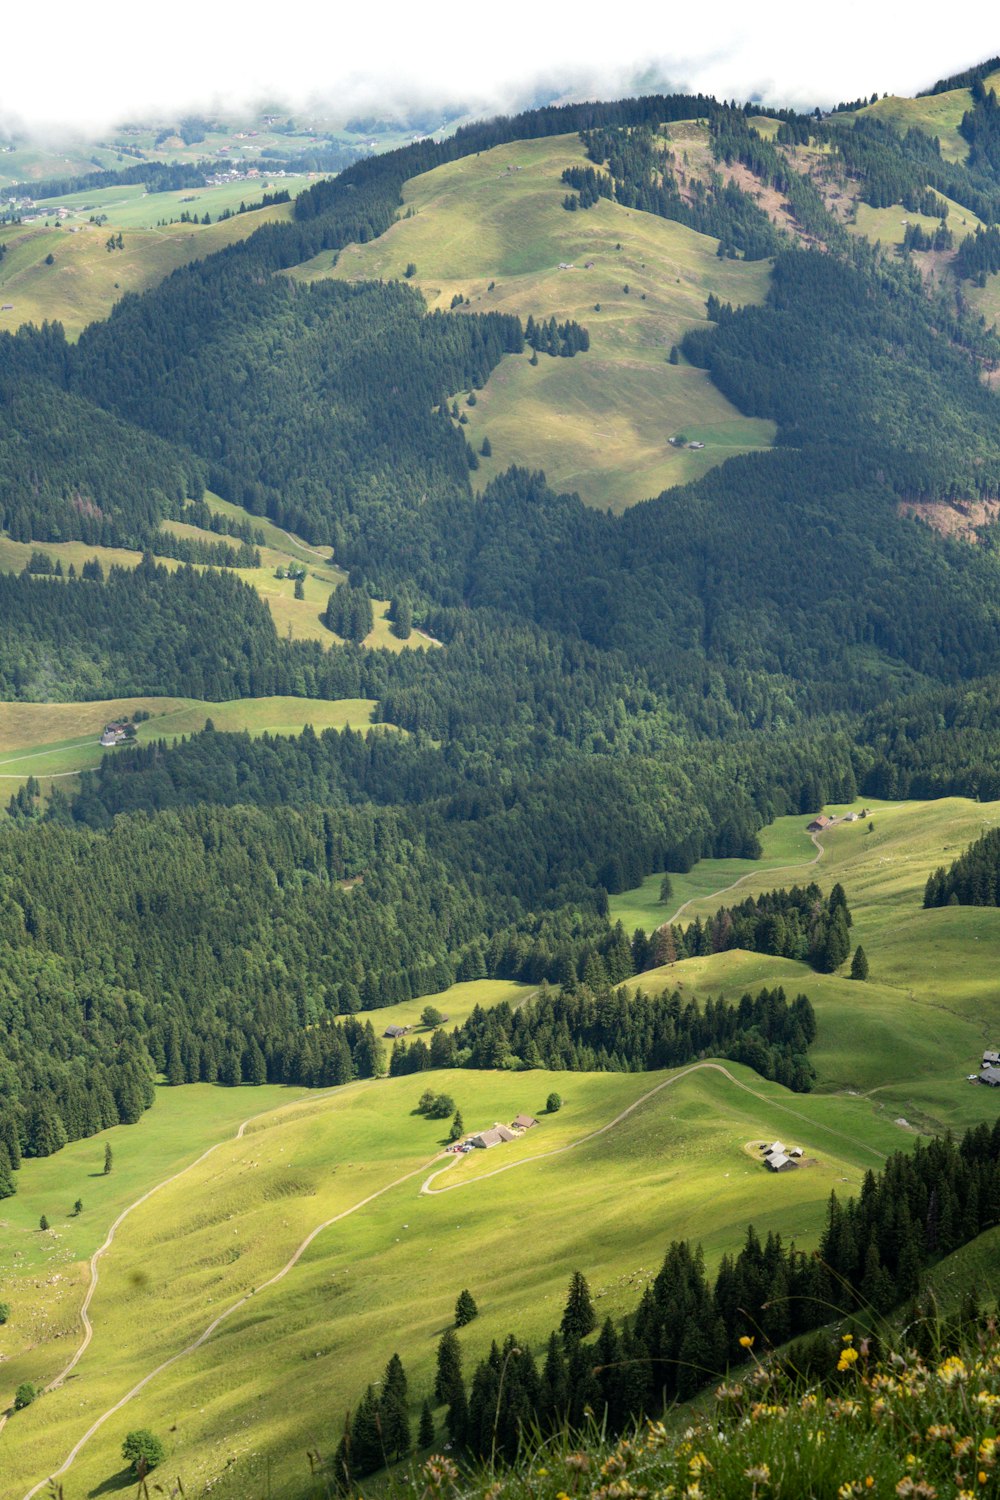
pixel 859 964
pixel 78 1206
pixel 553 1102
pixel 143 1450
pixel 4 1311
pixel 578 1318
pixel 108 1157
pixel 431 1016
pixel 666 889
pixel 43 1222
pixel 465 1308
pixel 24 1395
pixel 457 1127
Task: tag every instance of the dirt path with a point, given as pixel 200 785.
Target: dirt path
pixel 812 1126
pixel 207 1332
pixel 425 1189
pixel 777 870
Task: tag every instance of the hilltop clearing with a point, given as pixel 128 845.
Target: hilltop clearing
pixel 491 228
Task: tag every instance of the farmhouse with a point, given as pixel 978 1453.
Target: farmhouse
pixel 523 1122
pixel 818 824
pixel 990 1076
pixel 776 1148
pixel 991 1059
pixel 395 1031
pixel 498 1136
pixel 779 1162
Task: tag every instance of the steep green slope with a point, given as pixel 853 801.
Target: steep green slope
pixel 492 228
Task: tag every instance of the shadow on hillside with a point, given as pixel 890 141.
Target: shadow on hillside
pixel 115 1483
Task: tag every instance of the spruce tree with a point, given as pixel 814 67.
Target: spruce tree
pixel 578 1317
pixel 395 1421
pixel 465 1309
pixel 449 1366
pixel 108 1157
pixel 425 1433
pixel 859 964
pixel 457 1127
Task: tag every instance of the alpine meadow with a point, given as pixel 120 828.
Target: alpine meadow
pixel 500 801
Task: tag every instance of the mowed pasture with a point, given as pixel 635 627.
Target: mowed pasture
pixel 599 423
pixel 61 739
pixel 908 1036
pixel 85 280
pixel 132 206
pixel 510 1224
pixel 385 1276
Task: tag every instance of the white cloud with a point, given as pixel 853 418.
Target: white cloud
pixel 89 64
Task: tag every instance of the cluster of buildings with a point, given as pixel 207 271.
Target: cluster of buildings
pixel 989 1071
pixel 781 1158
pixel 498 1135
pixel 821 823
pixel 115 734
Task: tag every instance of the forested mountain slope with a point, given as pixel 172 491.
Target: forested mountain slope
pixel 613 693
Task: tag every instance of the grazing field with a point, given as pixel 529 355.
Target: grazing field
pixel 911 1033
pixel 133 207
pixel 610 1204
pixel 56 740
pixel 85 279
pixel 600 423
pixel 936 114
pixel 295 619
pixel 511 1224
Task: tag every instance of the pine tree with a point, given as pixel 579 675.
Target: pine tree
pixel 108 1157
pixel 43 1223
pixel 578 1317
pixel 859 964
pixel 457 1127
pixel 425 1433
pixel 449 1366
pixel 465 1309
pixel 395 1421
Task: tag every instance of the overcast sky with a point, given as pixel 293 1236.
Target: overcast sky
pixel 74 62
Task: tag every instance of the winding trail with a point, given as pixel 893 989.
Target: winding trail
pixel 813 1126
pixel 206 1333
pixel 426 1189
pixel 776 870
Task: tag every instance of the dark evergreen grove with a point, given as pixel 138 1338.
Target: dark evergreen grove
pixel 689 1329
pixel 614 696
pixel 972 880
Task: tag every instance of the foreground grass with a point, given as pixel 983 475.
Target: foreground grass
pixel 492 228
pixel 920 1429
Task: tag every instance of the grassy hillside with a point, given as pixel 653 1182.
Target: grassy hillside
pixel 609 1204
pixel 935 114
pixel 910 1034
pixel 891 1056
pixel 296 619
pixel 55 740
pixel 133 207
pixel 599 423
pixel 85 280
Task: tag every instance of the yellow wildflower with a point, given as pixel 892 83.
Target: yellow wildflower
pixel 848 1357
pixel 746 1341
